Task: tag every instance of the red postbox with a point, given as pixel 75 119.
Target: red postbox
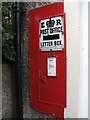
pixel 47 59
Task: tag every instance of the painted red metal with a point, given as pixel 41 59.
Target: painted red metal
pixel 47 94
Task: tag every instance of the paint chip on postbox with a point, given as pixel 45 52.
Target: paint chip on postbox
pixel 52 66
pixel 51 35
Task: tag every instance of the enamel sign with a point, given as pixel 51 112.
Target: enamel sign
pixel 51 34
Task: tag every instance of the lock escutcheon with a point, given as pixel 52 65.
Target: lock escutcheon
pixel 43 79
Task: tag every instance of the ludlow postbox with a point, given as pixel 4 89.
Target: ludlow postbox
pixel 47 59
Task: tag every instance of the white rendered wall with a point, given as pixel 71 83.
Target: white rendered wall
pixel 88 58
pixel 77 58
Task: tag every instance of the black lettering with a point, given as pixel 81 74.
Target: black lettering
pixel 44 31
pixel 41 45
pixel 58 22
pixel 47 23
pixel 47 31
pixel 51 43
pixel 56 30
pixel 40 32
pixel 46 44
pixel 42 25
pixel 60 42
pixel 59 29
pixel 56 43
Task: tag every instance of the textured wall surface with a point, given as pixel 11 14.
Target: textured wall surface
pixel 8 85
pixel 7 94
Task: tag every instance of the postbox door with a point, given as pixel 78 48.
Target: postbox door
pixel 47 58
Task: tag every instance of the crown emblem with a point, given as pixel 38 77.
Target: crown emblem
pixel 50 23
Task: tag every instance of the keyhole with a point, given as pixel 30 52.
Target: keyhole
pixel 42 79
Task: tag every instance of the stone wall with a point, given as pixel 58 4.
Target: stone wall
pixel 8 90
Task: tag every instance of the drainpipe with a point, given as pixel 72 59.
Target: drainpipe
pixel 18 81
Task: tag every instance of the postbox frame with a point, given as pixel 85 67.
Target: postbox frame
pixel 39 105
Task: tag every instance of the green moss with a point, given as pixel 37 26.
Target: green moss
pixel 8 50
